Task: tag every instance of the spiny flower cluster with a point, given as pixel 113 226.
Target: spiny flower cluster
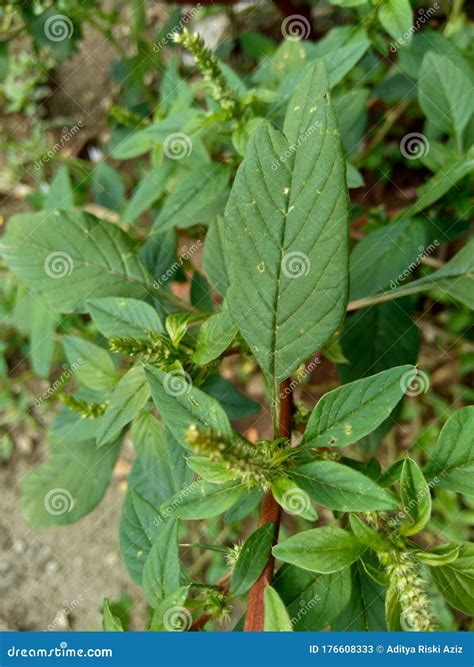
pixel 256 465
pixel 217 605
pixel 403 571
pixel 156 346
pixel 87 410
pixel 209 68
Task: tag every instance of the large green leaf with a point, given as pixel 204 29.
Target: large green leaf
pixel 287 230
pixel 69 484
pixel 140 525
pixel 451 463
pixel 313 600
pixel 276 617
pixel 161 574
pixel 346 414
pixel 115 316
pixel 322 550
pixel 444 94
pixel 252 559
pixel 70 256
pixel 455 581
pixel 181 404
pixel 341 488
pixel 127 399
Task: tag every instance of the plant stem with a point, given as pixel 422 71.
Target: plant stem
pixel 270 511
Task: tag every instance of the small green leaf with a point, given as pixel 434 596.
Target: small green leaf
pixel 114 316
pixel 107 187
pixel 367 535
pixel 214 337
pixel 161 573
pixel 276 616
pixel 323 550
pixel 396 16
pixel 252 559
pixel 140 524
pixel 170 615
pixel 293 499
pixel 451 463
pixel 210 471
pixel 342 488
pixel 180 404
pixel 416 498
pixel 92 365
pixel 444 554
pixel 350 412
pixel 365 610
pixel 150 188
pixel 127 399
pixel 110 623
pixel 201 500
pixel 455 581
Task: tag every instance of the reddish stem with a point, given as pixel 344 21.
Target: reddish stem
pixel 270 511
